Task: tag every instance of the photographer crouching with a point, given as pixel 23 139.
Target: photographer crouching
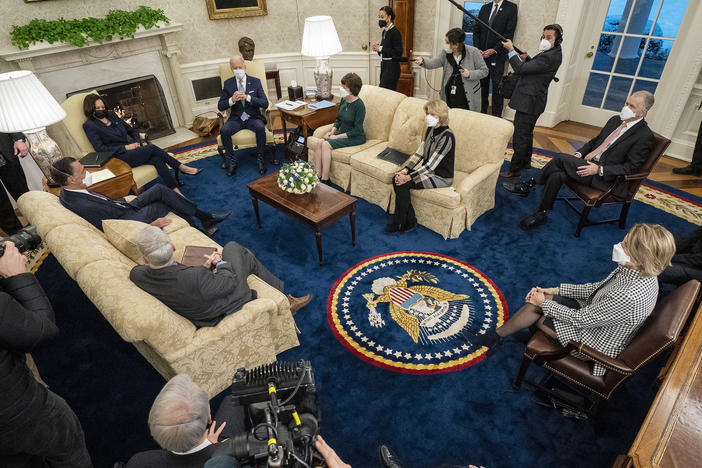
pixel 37 427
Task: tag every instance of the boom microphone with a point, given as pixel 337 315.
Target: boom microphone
pixel 500 36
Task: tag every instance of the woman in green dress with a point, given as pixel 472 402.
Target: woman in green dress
pixel 347 129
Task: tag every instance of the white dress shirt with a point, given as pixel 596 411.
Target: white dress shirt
pixel 197 448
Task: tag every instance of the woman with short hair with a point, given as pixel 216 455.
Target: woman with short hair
pixel 464 67
pixel 431 166
pixel 603 315
pixel 347 129
pixel 107 132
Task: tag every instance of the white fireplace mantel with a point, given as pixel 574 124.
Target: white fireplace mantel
pixel 44 48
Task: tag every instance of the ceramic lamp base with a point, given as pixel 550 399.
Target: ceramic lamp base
pixel 44 151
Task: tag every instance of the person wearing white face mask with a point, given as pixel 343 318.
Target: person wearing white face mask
pixel 530 94
pixel 604 315
pixel 431 166
pixel 347 129
pixel 620 148
pixel 464 67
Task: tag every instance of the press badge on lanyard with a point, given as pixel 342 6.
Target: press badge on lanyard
pixel 453 89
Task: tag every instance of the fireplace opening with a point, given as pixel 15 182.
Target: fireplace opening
pixel 140 102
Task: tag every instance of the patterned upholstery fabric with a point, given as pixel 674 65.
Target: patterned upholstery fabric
pixel 250 337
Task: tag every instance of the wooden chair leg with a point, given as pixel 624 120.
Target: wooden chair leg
pixel 583 220
pixel 526 362
pixel 624 214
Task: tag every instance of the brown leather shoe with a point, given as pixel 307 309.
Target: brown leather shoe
pixel 510 174
pixel 297 303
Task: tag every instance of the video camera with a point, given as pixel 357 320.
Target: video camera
pixel 283 409
pixel 24 239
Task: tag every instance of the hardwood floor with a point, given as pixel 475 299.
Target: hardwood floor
pixel 567 137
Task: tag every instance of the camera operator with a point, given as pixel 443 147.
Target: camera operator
pixel 36 425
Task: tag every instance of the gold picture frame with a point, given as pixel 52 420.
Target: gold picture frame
pixel 219 9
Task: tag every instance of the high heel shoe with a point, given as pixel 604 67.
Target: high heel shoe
pixel 194 173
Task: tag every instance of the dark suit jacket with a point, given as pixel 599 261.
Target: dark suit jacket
pixel 624 156
pixel 202 296
pixel 94 209
pixel 505 23
pixel 531 92
pixel 253 89
pixel 113 137
pixel 7 141
pixel 165 459
pixel 689 249
pixel 392 44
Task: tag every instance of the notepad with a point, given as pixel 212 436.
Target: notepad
pixel 195 255
pixel 290 105
pixel 321 105
pixel 104 174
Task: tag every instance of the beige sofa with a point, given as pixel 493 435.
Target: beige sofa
pixel 250 337
pixel 399 122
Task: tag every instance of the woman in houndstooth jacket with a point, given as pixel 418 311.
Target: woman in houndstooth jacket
pixel 603 315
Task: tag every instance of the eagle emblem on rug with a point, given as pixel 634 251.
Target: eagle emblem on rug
pixel 412 311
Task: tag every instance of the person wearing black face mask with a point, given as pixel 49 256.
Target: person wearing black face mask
pixel 389 48
pixel 107 132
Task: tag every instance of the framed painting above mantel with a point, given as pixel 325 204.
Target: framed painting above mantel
pixel 219 9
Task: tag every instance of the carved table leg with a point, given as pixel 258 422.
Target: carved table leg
pixel 352 218
pixel 318 236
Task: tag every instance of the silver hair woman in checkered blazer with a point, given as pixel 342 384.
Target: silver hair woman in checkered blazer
pixel 603 315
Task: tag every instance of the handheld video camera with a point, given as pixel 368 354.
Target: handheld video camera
pixel 25 239
pixel 283 409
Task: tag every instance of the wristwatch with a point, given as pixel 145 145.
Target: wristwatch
pixel 600 171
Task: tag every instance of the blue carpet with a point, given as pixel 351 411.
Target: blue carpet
pixel 467 416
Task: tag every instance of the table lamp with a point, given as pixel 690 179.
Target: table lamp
pixel 319 39
pixel 26 106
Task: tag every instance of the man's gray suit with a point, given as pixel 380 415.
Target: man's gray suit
pixel 201 295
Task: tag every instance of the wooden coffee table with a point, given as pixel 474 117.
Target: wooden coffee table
pixel 317 209
pixel 118 186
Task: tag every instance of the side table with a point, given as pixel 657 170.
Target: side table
pixel 118 186
pixel 306 117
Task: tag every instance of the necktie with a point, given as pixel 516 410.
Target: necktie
pixel 597 152
pixel 495 7
pixel 244 115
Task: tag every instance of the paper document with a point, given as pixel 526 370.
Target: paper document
pixel 104 174
pixel 290 105
pixel 321 105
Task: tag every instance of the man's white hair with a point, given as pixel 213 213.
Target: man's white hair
pixel 155 246
pixel 178 417
pixel 237 57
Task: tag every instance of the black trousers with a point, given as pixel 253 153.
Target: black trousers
pixel 13 179
pixel 523 140
pixel 152 154
pixel 495 75
pixel 680 273
pixel 389 74
pixel 697 153
pixel 234 125
pixel 158 200
pixel 556 173
pixel 404 212
pixel 53 437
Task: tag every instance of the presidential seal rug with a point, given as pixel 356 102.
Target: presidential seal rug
pixel 414 312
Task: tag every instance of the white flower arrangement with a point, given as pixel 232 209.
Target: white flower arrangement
pixel 297 177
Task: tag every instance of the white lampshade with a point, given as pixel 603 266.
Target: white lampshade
pixel 25 104
pixel 319 38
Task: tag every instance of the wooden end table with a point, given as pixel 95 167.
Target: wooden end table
pixel 118 186
pixel 306 117
pixel 317 209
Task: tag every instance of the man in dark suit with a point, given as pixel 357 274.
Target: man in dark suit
pixel 12 176
pixel 620 148
pixel 244 95
pixel 500 15
pixel 687 261
pixel 200 294
pixel 149 207
pixel 530 94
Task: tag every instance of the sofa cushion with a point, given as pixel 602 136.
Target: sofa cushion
pixel 122 234
pixel 446 197
pixel 482 139
pixel 368 162
pixel 408 126
pixel 343 155
pixel 380 105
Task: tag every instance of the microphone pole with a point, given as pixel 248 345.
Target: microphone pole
pixel 499 36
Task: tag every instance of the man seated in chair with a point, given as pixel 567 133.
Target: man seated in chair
pixel 149 207
pixel 203 294
pixel 244 96
pixel 620 148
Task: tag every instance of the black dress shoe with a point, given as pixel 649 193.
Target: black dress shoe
pixel 687 170
pixel 534 220
pixel 224 164
pixel 231 168
pixel 388 458
pixel 215 218
pixel 261 165
pixel 410 227
pixel 392 228
pixel 210 230
pixel 520 188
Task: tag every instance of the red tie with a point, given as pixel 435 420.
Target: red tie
pixel 597 152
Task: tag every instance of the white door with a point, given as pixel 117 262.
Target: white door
pixel 626 46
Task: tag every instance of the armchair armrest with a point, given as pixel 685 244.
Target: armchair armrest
pixel 602 359
pixel 637 176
